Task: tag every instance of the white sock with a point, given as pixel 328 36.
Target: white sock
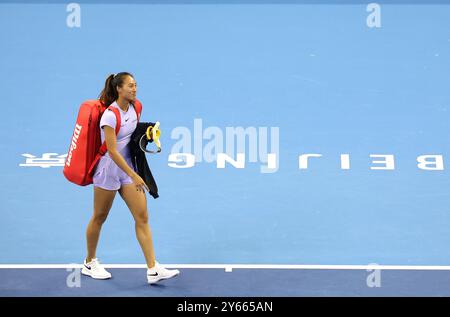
pixel 151 270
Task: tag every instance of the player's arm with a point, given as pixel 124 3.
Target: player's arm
pixel 111 145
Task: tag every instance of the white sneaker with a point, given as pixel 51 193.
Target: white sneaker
pixel 159 272
pixel 95 270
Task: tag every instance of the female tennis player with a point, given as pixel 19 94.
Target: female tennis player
pixel 115 172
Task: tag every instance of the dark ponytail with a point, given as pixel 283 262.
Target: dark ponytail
pixel 109 94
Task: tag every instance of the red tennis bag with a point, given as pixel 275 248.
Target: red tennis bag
pixel 85 148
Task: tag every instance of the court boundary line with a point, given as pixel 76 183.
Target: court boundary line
pixel 230 267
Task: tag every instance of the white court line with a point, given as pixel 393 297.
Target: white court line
pixel 229 267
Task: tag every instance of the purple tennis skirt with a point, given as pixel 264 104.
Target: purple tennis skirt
pixel 110 176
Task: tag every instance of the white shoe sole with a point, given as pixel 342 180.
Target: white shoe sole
pixel 86 272
pixel 153 281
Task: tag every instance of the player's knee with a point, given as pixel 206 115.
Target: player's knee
pixel 141 218
pixel 99 218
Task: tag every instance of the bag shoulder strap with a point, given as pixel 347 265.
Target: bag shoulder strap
pixel 138 107
pixel 103 148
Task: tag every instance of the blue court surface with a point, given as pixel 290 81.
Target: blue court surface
pixel 302 143
pixel 218 283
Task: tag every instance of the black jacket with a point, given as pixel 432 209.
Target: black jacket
pixel 138 157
